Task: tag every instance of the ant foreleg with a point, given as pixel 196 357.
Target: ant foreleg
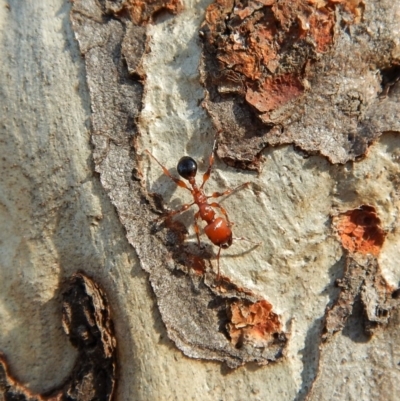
pixel 207 174
pixel 168 174
pixel 228 191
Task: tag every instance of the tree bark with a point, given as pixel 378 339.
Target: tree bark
pixel 86 88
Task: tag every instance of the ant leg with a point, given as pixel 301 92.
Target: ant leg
pixel 196 227
pixel 223 211
pixel 219 253
pixel 168 174
pixel 184 207
pixel 207 174
pixel 246 239
pixel 228 191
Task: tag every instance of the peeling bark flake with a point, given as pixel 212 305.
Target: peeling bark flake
pixel 253 324
pixel 280 72
pixel 145 11
pixel 360 231
pixel 361 235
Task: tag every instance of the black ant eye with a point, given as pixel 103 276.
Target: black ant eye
pixel 187 167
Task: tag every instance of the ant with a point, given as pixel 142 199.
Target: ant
pixel 218 229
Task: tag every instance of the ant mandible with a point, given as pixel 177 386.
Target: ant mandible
pixel 218 229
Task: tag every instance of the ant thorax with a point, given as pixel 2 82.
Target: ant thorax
pixel 206 212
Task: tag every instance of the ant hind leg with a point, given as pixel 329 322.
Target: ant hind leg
pixel 256 244
pixel 218 255
pixel 173 213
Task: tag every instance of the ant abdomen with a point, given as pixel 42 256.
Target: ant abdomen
pixel 219 232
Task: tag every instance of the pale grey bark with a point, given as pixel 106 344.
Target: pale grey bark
pixel 57 218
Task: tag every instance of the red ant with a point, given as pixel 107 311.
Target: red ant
pixel 218 229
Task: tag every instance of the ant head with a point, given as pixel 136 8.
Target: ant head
pixel 187 167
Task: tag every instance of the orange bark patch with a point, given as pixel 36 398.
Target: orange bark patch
pixel 360 230
pixel 252 323
pixel 265 45
pixel 355 7
pixel 250 39
pixel 321 28
pixel 144 11
pixel 275 93
pixel 242 62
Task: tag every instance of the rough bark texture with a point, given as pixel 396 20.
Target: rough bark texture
pixel 87 322
pixel 305 295
pixel 195 307
pixel 312 73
